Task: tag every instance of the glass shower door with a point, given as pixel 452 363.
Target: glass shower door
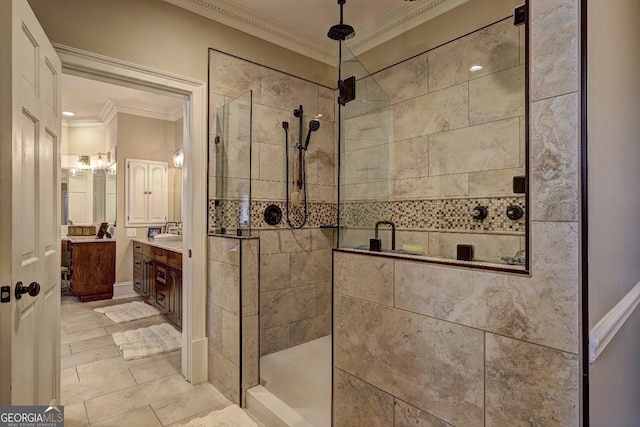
pixel 365 130
pixel 232 145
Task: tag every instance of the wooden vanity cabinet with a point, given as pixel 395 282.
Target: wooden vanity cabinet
pixel 93 269
pixel 157 276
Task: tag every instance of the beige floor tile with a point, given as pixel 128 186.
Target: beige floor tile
pixel 69 376
pixel 90 344
pixel 90 387
pixel 168 365
pixel 89 356
pixel 75 415
pixel 65 349
pixel 90 322
pixel 136 324
pixel 69 338
pixel 141 417
pixel 203 398
pixel 121 401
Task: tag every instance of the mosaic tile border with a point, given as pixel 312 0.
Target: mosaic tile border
pixel 438 214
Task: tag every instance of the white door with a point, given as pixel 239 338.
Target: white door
pixel 30 211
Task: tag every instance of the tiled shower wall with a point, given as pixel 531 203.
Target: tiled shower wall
pixel 232 323
pixel 295 265
pixel 423 344
pixel 457 141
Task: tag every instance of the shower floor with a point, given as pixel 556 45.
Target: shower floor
pixel 301 377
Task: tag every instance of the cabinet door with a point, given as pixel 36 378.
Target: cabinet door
pixel 147 192
pixel 157 189
pixel 136 189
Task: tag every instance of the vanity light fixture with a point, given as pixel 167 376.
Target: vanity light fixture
pixel 178 158
pixel 84 162
pixel 475 68
pixel 101 163
pixel 68 113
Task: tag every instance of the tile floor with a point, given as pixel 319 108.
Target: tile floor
pixel 99 388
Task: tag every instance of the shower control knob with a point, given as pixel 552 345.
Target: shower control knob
pixel 479 213
pixel 514 212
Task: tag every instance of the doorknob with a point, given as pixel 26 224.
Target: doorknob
pixel 33 289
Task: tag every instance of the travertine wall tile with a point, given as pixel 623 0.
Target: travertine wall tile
pixel 223 375
pixel 451 63
pixel 494 182
pixel 224 286
pixel 310 267
pixel 231 337
pixel 554 67
pixel 250 276
pixel 483 147
pixel 433 186
pixel 402 83
pixel 357 404
pixel 274 339
pixel 497 96
pixel 287 305
pixel 406 415
pixel 306 330
pixel 250 356
pixel 374 281
pixel 448 109
pixel 409 158
pixel 434 365
pixel 554 159
pixel 287 92
pixel 231 76
pixel 489 248
pixel 530 385
pixel 274 271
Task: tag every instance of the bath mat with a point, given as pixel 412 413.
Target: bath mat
pixel 144 342
pixel 129 311
pixel 231 416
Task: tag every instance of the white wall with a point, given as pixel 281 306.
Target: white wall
pixel 614 203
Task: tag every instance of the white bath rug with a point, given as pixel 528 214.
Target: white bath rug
pixel 231 416
pixel 129 311
pixel 144 342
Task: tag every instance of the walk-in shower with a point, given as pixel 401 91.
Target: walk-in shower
pixel 300 168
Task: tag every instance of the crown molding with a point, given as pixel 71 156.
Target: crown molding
pixel 110 110
pixel 256 24
pixel 367 37
pixel 398 22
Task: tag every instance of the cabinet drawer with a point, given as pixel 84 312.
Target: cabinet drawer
pixel 162 297
pixel 137 247
pixel 174 259
pixel 159 255
pixel 161 274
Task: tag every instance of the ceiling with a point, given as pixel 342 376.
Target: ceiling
pixel 298 25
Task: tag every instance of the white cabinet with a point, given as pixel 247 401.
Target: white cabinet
pixel 147 192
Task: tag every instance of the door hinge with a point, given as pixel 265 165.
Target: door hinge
pixel 189 253
pixel 520 15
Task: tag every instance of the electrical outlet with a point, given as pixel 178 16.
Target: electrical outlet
pixel 131 232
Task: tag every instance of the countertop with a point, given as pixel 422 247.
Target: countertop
pixel 171 245
pixel 85 239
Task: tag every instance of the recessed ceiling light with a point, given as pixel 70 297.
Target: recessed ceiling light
pixel 475 68
pixel 68 113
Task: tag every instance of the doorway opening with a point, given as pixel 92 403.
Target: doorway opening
pixel 193 190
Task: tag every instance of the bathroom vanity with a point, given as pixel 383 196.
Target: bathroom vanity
pixel 157 275
pixel 93 266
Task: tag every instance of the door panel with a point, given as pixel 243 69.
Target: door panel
pixel 30 213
